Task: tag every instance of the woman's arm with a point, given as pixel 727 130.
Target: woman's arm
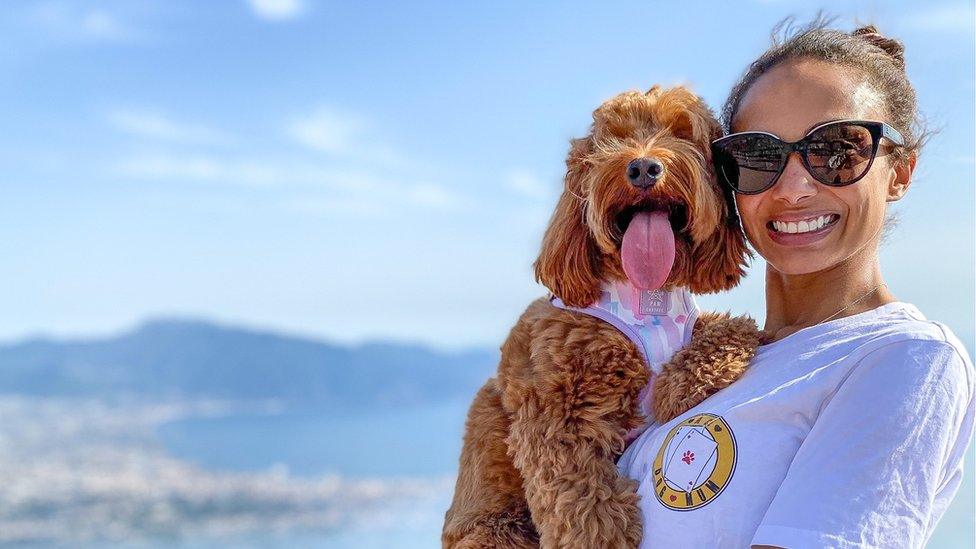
pixel 879 465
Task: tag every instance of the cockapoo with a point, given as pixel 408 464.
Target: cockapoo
pixel 641 225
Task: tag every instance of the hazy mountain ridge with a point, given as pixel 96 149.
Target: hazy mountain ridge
pixel 183 358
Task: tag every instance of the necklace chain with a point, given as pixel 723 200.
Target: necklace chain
pixel 852 303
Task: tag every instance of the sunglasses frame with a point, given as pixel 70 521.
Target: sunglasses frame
pixel 878 130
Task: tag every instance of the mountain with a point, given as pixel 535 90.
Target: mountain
pixel 166 358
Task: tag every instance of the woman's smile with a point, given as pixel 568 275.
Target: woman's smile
pixel 801 228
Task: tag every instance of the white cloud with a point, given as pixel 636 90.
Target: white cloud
pixel 430 194
pixel 103 24
pixel 350 136
pixel 277 10
pixel 354 175
pixel 158 126
pixel 322 188
pixel 327 130
pixel 526 184
pixel 319 206
pixel 945 18
pixel 198 168
pixel 80 23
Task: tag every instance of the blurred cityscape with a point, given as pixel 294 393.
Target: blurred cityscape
pixel 169 436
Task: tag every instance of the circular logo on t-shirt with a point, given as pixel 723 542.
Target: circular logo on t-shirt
pixel 695 462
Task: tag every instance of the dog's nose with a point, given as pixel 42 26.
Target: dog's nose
pixel 643 173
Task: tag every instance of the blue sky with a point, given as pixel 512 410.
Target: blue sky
pixel 360 171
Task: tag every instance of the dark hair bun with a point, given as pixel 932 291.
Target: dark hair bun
pixel 894 48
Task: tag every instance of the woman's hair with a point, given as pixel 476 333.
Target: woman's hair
pixel 879 59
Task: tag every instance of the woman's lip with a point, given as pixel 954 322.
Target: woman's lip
pixel 800 239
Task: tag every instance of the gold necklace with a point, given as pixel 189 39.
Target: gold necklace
pixel 852 303
pixel 768 337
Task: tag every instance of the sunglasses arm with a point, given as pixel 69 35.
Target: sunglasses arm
pixel 892 135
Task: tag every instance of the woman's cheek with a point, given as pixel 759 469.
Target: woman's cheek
pixel 746 205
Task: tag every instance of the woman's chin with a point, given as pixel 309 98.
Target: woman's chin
pixel 795 265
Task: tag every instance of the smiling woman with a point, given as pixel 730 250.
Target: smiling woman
pixel 850 425
pixel 804 99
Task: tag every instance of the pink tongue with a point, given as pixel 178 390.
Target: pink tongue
pixel 648 250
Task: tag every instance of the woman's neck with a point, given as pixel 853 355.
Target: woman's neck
pixel 794 302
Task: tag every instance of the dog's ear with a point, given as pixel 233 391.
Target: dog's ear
pixel 691 119
pixel 719 256
pixel 719 261
pixel 568 261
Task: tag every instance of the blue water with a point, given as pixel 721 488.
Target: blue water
pixel 414 442
pixel 409 442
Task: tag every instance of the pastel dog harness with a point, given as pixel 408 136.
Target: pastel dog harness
pixel 659 322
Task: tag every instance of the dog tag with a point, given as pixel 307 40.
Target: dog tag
pixel 655 302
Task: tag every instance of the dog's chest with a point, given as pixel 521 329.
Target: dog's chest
pixel 659 322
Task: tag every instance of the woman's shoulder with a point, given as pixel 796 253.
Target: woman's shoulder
pixel 904 322
pixel 849 339
pixel 907 344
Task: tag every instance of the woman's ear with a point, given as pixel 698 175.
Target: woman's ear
pixel 903 170
pixel 568 261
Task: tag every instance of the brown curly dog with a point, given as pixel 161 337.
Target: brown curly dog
pixel 538 467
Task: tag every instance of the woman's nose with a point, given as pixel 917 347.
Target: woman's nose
pixel 795 183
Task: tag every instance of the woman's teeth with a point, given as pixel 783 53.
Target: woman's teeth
pixel 805 226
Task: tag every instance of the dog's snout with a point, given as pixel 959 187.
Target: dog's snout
pixel 643 173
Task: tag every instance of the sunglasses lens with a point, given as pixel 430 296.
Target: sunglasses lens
pixel 839 154
pixel 749 163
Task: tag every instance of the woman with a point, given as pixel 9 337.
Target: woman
pixel 850 426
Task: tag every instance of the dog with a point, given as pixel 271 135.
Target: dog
pixel 641 223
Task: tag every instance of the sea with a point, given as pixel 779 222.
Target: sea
pixel 414 442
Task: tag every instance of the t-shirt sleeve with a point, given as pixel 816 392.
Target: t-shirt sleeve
pixel 884 457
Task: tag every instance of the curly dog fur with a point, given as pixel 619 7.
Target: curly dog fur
pixel 538 466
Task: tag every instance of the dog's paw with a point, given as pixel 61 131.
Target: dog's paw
pixel 720 350
pixel 613 520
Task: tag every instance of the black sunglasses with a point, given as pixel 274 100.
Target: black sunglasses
pixel 835 153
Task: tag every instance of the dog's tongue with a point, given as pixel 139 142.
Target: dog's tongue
pixel 648 250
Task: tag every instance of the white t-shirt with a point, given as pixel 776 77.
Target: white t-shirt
pixel 849 433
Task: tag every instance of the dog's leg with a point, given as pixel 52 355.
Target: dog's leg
pixel 720 350
pixel 489 507
pixel 566 434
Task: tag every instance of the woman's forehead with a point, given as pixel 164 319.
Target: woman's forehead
pixel 793 97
